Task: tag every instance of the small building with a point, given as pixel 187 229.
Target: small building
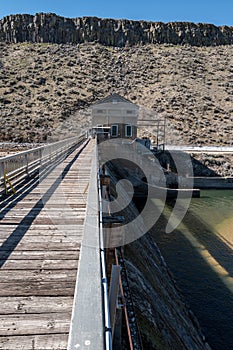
pixel 115 116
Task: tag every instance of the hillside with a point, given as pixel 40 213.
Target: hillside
pixel 46 89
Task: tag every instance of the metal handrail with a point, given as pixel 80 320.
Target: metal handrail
pixel 107 318
pixel 26 163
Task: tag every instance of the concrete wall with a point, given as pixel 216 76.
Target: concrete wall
pixel 213 182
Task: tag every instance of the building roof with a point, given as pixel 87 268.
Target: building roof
pixel 113 98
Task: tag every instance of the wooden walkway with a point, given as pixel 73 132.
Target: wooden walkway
pixel 41 230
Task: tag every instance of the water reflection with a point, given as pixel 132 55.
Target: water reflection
pixel 216 210
pixel 199 252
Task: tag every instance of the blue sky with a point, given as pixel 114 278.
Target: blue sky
pixel 218 12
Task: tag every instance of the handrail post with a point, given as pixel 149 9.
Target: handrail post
pixel 41 152
pixel 2 174
pixel 4 177
pixel 26 159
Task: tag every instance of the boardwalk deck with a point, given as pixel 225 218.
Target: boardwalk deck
pixel 41 230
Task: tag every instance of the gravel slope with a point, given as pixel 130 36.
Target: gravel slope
pixel 46 89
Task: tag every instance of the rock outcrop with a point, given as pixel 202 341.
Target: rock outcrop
pixel 50 28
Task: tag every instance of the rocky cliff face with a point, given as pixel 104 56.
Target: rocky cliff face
pixel 50 28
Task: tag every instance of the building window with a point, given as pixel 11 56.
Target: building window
pixel 128 130
pixel 114 130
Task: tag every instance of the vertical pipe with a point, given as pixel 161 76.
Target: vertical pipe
pixel 113 294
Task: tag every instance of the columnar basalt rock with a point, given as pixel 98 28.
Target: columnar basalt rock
pixel 50 28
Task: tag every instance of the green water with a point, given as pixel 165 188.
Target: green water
pixel 200 255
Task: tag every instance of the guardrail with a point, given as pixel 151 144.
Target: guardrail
pixel 106 306
pixel 15 168
pixel 90 323
pixel 200 149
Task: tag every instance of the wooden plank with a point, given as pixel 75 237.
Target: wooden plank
pixel 72 203
pixel 43 220
pixel 33 304
pixel 70 230
pixel 44 264
pixel 35 324
pixel 26 288
pixel 35 342
pixel 42 246
pixel 45 211
pixel 39 228
pixel 37 276
pixel 43 254
pixel 42 209
pixel 51 239
pixel 39 236
pixel 72 221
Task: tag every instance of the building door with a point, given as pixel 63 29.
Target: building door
pixel 128 131
pixel 114 130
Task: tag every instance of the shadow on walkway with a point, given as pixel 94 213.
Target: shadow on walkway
pixel 15 237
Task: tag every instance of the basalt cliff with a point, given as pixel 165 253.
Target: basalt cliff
pixel 50 28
